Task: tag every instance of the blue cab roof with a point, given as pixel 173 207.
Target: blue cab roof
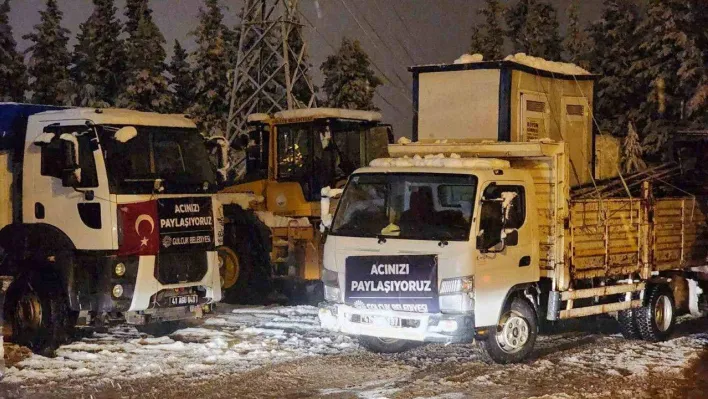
pixel 13 121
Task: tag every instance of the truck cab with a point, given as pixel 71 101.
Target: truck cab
pixel 112 217
pixel 429 250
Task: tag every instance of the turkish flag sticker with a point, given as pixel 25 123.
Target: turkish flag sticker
pixel 139 228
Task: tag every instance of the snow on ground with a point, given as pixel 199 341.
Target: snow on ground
pixel 227 342
pixel 250 347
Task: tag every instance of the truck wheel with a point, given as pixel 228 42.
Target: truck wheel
pixel 39 314
pixel 628 324
pixel 657 318
pixel 160 329
pixel 385 345
pixel 515 334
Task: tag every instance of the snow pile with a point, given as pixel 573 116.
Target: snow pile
pixel 551 66
pixel 44 138
pixel 469 58
pixel 404 140
pixel 244 200
pixel 226 343
pixel 272 220
pixel 440 161
pixel 125 134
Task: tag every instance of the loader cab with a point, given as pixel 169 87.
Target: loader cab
pixel 292 155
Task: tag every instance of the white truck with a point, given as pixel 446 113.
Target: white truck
pixel 450 242
pixel 105 215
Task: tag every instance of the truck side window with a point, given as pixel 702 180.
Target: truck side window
pixel 514 203
pixel 52 159
pixel 52 163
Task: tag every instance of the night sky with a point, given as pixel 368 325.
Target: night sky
pixel 435 31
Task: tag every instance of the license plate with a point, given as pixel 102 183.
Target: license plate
pixel 184 300
pixel 381 321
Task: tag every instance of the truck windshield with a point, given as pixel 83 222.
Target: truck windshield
pixel 177 156
pixel 407 206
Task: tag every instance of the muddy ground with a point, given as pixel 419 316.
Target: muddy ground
pixel 585 360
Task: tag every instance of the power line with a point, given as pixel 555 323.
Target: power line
pixel 373 29
pixel 405 26
pixel 374 43
pixel 394 35
pixel 334 50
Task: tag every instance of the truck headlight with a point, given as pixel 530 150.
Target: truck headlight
pixel 457 295
pixel 117 291
pixel 458 284
pixel 330 278
pixel 332 293
pixel 120 269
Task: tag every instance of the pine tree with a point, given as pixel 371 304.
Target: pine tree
pixel 49 58
pixel 672 65
pixel 632 151
pixel 147 88
pixel 181 81
pixel 615 45
pixel 211 68
pixel 13 78
pixel 99 57
pixel 575 39
pixel 533 29
pixel 488 39
pixel 349 80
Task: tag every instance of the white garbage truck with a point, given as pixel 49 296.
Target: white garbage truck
pixel 105 215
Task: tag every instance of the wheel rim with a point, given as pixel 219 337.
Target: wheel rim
pixel 513 334
pixel 229 267
pixel 28 312
pixel 663 313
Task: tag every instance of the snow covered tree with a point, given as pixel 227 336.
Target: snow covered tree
pixel 13 78
pixel 99 57
pixel 146 86
pixel 49 58
pixel 614 50
pixel 211 68
pixel 488 38
pixel 632 151
pixel 533 29
pixel 575 39
pixel 672 65
pixel 181 81
pixel 349 81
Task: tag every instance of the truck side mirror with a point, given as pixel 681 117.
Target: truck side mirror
pixel 512 238
pixel 71 173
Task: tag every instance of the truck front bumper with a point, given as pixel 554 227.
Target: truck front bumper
pixel 422 327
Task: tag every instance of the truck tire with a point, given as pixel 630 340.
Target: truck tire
pixel 385 345
pixel 515 335
pixel 657 318
pixel 38 313
pixel 160 329
pixel 628 324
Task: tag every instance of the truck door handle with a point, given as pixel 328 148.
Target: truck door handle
pixel 525 261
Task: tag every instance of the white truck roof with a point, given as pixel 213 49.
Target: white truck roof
pixel 111 116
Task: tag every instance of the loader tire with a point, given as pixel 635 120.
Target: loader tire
pixel 515 335
pixel 385 345
pixel 628 324
pixel 657 318
pixel 38 312
pixel 247 238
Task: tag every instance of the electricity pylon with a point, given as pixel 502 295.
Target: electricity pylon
pixel 271 73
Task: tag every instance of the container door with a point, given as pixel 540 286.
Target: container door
pixel 576 131
pixel 535 117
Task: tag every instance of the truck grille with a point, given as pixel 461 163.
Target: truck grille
pixel 186 267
